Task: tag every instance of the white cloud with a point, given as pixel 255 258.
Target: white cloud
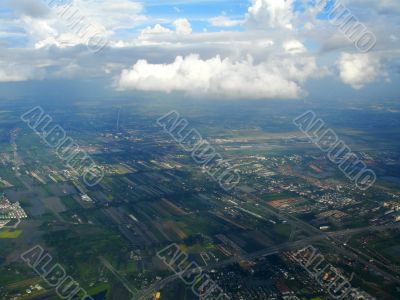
pixel 58 21
pixel 276 78
pixel 359 69
pixel 38 29
pixel 382 6
pixel 11 72
pixel 32 8
pixel 157 29
pixel 113 15
pixel 272 33
pixel 182 26
pixel 63 40
pixel 270 14
pixel 154 35
pixel 223 21
pixel 294 47
pixel 389 5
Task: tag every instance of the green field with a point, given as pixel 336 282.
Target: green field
pixel 10 234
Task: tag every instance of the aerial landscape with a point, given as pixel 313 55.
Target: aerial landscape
pixel 185 150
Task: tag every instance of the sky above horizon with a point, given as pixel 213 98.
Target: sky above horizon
pixel 237 49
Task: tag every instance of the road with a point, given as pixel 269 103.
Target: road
pixel 273 250
pixel 124 282
pixel 335 243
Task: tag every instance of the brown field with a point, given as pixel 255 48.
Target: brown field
pixel 283 202
pixel 175 229
pixel 172 208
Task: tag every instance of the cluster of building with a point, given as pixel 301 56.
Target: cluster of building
pixel 251 283
pixel 392 205
pixel 336 200
pixel 393 209
pixel 10 211
pixel 330 278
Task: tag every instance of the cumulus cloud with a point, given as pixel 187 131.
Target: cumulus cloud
pixel 270 14
pixel 359 69
pixel 182 26
pixel 160 34
pixel 277 78
pixel 157 29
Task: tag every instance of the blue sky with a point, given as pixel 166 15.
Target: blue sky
pixel 240 49
pixel 199 9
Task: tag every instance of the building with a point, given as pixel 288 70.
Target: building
pixel 396 217
pixel 11 211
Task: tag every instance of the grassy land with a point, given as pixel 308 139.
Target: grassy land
pixel 283 229
pixel 10 234
pixel 98 288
